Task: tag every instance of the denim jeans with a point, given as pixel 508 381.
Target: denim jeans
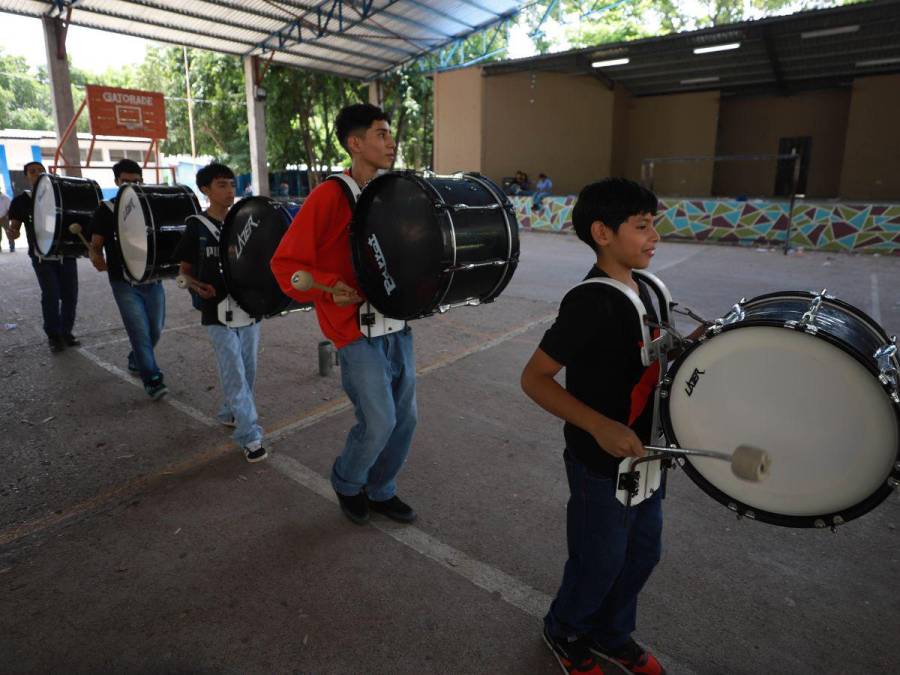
pixel 538 198
pixel 143 310
pixel 58 280
pixel 609 560
pixel 235 350
pixel 379 376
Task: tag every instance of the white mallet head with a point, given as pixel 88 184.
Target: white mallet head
pixel 75 228
pixel 301 280
pixel 750 463
pixel 181 281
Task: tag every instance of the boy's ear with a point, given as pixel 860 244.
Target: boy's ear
pixel 600 233
pixel 205 190
pixel 353 143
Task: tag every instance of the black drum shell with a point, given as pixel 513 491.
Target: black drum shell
pixel 76 201
pixel 165 209
pixel 424 241
pixel 250 236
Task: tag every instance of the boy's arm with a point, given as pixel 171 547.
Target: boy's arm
pixel 298 251
pixel 539 384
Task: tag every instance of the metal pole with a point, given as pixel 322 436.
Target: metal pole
pixel 190 102
pixel 795 178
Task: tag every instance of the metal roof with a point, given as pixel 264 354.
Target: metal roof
pixel 360 39
pixel 819 48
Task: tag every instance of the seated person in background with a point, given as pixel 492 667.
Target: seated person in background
pixel 543 189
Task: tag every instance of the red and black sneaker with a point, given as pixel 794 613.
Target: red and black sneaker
pixel 573 656
pixel 632 657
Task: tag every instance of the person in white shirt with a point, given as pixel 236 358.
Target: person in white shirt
pixel 4 222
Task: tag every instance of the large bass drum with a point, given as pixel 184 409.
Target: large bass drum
pixel 60 201
pixel 423 243
pixel 250 235
pixel 149 224
pixel 810 379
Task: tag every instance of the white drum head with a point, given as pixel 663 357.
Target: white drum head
pixel 46 214
pixel 133 232
pixel 824 419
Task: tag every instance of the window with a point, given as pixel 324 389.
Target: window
pixel 96 155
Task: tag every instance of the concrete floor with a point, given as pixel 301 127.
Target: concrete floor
pixel 135 538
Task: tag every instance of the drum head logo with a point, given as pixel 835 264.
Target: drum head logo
pixel 692 381
pixel 129 207
pixel 389 283
pixel 244 236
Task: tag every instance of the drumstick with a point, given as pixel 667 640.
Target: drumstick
pixel 303 281
pixel 747 462
pixel 75 228
pixel 184 282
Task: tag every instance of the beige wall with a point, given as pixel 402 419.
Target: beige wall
pixel 458 112
pixel 667 126
pixel 753 125
pixel 561 125
pixel 872 153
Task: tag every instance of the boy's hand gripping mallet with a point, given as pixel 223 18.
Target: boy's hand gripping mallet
pixel 747 462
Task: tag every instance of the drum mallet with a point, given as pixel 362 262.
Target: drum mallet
pixel 75 228
pixel 747 462
pixel 183 282
pixel 303 281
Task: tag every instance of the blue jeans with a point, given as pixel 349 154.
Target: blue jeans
pixel 538 198
pixel 609 560
pixel 58 280
pixel 236 350
pixel 379 376
pixel 143 310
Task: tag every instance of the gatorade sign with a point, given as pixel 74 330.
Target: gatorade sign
pixel 126 112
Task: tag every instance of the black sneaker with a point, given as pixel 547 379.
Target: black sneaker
pixel 156 389
pixel 133 369
pixel 255 453
pixel 394 508
pixel 57 344
pixel 355 507
pixel 71 340
pixel 573 656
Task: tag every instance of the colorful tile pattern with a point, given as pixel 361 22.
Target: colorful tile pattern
pixel 824 226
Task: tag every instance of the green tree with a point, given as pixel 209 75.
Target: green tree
pixel 24 99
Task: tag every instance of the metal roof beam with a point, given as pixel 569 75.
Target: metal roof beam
pixel 442 14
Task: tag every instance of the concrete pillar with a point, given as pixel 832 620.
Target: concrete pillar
pixel 61 91
pixel 256 123
pixel 376 93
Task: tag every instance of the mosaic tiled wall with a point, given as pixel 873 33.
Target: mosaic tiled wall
pixel 861 228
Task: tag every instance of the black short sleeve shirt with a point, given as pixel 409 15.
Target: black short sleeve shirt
pixel 104 224
pixel 597 338
pixel 20 208
pixel 204 259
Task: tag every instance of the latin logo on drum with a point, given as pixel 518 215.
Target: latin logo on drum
pixel 692 381
pixel 130 206
pixel 389 283
pixel 244 236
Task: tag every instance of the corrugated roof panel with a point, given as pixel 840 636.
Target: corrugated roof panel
pixel 394 32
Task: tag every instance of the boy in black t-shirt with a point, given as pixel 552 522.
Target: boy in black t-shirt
pixel 142 306
pixel 234 335
pixel 607 406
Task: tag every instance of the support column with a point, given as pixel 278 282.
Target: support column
pixel 61 90
pixel 376 93
pixel 256 123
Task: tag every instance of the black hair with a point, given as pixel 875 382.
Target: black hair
pixel 352 118
pixel 612 201
pixel 126 166
pixel 210 172
pixel 27 164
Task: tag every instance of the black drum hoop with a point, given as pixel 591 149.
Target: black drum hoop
pixel 752 512
pixel 507 209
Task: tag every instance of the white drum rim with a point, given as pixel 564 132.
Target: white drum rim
pixel 40 239
pixel 755 513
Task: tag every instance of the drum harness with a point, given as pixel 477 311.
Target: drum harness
pixel 230 313
pixel 372 323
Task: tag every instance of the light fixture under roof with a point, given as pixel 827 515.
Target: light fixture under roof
pixel 827 32
pixel 700 80
pixel 727 46
pixel 877 62
pixel 610 62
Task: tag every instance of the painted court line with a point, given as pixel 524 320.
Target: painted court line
pixel 876 301
pixel 125 338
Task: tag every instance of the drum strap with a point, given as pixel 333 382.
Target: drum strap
pixel 348 185
pixel 635 300
pixel 213 230
pixel 109 205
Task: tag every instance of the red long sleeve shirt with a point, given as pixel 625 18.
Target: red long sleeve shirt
pixel 318 241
